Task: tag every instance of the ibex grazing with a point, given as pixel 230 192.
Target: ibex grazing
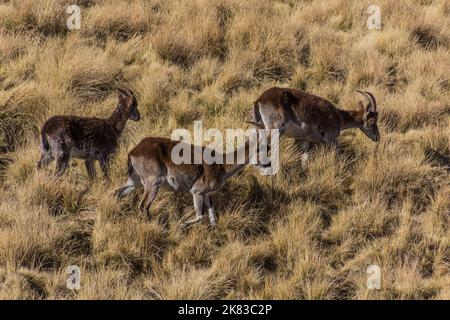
pixel 150 165
pixel 90 139
pixel 300 112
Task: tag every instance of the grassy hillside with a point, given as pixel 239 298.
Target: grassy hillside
pixel 309 232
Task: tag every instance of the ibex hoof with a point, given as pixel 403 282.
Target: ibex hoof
pixel 305 158
pixel 192 221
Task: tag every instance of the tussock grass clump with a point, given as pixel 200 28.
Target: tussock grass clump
pixel 13 45
pixel 24 168
pixel 156 87
pixel 45 17
pixel 32 241
pixel 405 177
pixel 189 32
pixel 91 76
pixel 136 246
pixel 23 285
pixel 309 232
pixel 365 221
pixel 119 20
pixel 99 282
pixel 20 110
pixel 59 197
pixel 259 45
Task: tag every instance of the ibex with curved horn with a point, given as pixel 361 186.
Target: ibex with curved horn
pixel 312 119
pixel 63 137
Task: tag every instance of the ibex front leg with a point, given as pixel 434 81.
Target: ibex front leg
pixel 211 211
pixel 198 205
pixel 90 167
pixel 104 165
pixel 45 160
pixel 305 146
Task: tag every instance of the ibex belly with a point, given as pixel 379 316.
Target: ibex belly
pixel 294 130
pixel 179 182
pixel 81 154
pixel 85 153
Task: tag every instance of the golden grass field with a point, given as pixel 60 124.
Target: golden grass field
pixel 310 232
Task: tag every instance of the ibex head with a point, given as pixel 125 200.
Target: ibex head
pixel 370 116
pixel 129 101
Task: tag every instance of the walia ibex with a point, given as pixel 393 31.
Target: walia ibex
pixel 150 165
pixel 312 119
pixel 90 139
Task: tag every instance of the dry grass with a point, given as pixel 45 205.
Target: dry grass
pixel 308 233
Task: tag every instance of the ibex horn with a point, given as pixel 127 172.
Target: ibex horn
pixel 370 98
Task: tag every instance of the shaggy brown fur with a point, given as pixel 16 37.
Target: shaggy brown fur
pixel 150 165
pixel 90 139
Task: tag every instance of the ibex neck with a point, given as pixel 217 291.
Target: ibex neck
pixel 350 119
pixel 118 118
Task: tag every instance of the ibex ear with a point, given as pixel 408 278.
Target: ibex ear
pixel 123 96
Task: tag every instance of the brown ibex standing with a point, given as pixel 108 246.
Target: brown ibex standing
pixel 150 165
pixel 300 112
pixel 63 137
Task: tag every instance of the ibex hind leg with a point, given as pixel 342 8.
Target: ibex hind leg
pixel 132 183
pixel 46 153
pixel 198 205
pixel 61 152
pixel 211 212
pixel 150 191
pixel 90 167
pixel 62 162
pixel 45 160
